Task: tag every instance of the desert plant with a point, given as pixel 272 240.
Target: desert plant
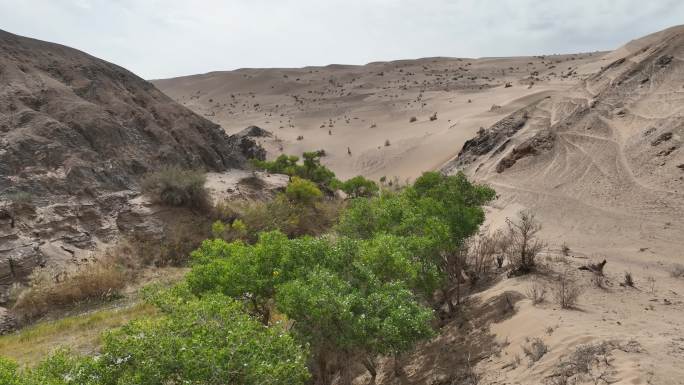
pixel 535 349
pixel 174 186
pixel 566 290
pixel 433 117
pixel 387 143
pixel 537 293
pixel 523 243
pixel 629 280
pixel 413 119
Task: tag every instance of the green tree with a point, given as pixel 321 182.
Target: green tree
pixel 359 186
pixel 346 322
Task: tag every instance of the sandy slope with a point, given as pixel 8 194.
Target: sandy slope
pixel 358 108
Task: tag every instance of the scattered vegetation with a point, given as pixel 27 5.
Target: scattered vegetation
pixel 174 186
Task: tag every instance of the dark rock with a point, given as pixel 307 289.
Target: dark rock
pixel 664 137
pixel 541 142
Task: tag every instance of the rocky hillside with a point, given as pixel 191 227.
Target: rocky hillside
pixel 76 135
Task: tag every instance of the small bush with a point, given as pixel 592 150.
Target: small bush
pixel 535 349
pixel 433 117
pixel 566 291
pixel 387 143
pixel 523 245
pixel 629 280
pixel 177 187
pixel 302 191
pixel 537 293
pixel 413 119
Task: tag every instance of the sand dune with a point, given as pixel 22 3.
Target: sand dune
pixel 357 109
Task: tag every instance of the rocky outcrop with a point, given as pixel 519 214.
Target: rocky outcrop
pixel 542 141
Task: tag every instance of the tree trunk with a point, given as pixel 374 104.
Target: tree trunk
pixel 370 366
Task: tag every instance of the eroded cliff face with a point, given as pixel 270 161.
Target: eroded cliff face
pixel 76 135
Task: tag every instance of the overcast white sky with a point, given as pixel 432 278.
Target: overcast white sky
pixel 165 38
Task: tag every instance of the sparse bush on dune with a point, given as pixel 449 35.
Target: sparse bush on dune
pixel 413 119
pixel 566 290
pixel 174 186
pixel 523 242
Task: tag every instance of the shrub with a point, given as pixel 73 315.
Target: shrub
pixel 535 349
pixel 311 169
pixel 413 119
pixel 433 117
pixel 177 187
pixel 359 186
pixel 524 246
pixel 196 341
pixel 387 143
pixel 566 291
pixel 629 281
pixel 537 293
pixel 302 191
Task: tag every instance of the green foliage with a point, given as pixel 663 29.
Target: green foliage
pixel 302 191
pixel 374 318
pixel 310 168
pixel 359 186
pixel 8 372
pixel 207 341
pixel 360 287
pixel 217 229
pixel 174 186
pixel 197 341
pixel 292 218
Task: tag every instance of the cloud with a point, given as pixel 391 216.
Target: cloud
pixel 163 38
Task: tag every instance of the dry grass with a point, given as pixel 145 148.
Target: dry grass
pixel 80 333
pixel 280 214
pixel 174 186
pixel 537 293
pixel 98 281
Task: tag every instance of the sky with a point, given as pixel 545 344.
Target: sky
pixel 168 38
